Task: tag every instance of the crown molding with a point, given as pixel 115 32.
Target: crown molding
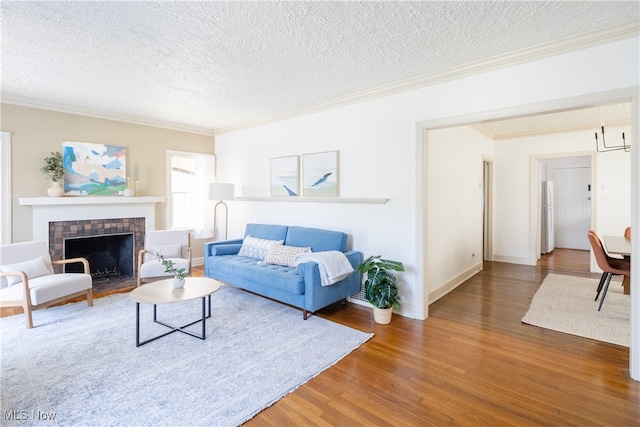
pixel 72 109
pixel 541 51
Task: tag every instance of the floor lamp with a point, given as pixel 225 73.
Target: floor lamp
pixel 221 191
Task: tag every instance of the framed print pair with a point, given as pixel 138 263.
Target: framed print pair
pixel 319 175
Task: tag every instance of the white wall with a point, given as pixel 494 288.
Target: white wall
pixel 36 132
pixel 513 168
pixel 378 142
pixel 455 209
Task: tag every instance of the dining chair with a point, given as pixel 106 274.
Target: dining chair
pixel 27 278
pixel 174 245
pixel 607 264
pixel 627 232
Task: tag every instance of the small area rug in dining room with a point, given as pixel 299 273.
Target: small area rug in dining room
pixel 80 364
pixel 565 304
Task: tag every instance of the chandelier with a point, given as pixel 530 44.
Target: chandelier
pixel 605 149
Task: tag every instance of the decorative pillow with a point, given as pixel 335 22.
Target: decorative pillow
pixel 33 268
pixel 257 248
pixel 169 251
pixel 284 255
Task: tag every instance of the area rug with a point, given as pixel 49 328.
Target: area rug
pixel 80 365
pixel 565 304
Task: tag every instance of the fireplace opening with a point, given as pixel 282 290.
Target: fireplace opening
pixel 108 255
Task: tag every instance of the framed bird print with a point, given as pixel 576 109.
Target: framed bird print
pixel 285 176
pixel 320 174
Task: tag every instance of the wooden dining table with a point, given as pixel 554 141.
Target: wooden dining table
pixel 619 245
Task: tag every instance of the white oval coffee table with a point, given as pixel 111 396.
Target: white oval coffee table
pixel 162 292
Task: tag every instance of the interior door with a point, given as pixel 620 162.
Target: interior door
pixel 572 206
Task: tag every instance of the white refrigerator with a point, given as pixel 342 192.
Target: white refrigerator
pixel 547 217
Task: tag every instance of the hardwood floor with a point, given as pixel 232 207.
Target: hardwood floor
pixel 472 362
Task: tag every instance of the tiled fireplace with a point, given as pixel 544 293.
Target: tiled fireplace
pixel 110 244
pixel 60 220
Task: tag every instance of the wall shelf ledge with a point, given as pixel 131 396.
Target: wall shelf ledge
pixel 343 200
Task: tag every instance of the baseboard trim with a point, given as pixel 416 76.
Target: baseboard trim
pixel 514 260
pixel 454 283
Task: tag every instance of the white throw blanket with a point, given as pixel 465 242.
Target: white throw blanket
pixel 333 265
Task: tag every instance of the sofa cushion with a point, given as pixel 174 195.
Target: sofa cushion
pixel 266 231
pixel 284 255
pixel 319 240
pixel 256 271
pixel 257 248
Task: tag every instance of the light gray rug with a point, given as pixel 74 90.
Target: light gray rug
pixel 81 365
pixel 565 304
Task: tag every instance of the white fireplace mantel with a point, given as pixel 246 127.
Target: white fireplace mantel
pixel 89 200
pixel 48 209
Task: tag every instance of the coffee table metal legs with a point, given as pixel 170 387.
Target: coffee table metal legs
pixel 206 313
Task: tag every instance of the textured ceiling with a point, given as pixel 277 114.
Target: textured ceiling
pixel 218 65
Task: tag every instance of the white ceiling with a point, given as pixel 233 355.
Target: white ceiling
pixel 213 66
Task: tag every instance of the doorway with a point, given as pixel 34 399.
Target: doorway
pixel 571 177
pixel 487 210
pixel 573 216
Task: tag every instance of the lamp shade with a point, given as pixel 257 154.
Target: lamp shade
pixel 221 191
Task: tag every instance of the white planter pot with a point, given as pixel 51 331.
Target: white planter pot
pixel 55 189
pixel 382 315
pixel 177 283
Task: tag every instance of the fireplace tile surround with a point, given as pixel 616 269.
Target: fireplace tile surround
pixel 61 230
pixel 81 216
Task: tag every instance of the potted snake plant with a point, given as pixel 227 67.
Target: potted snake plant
pixel 381 286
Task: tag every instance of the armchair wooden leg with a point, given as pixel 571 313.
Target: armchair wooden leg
pixel 28 316
pixel 90 297
pixel 139 280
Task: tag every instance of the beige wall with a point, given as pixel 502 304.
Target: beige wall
pixel 35 133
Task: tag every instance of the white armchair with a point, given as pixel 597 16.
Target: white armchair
pixel 27 278
pixel 174 245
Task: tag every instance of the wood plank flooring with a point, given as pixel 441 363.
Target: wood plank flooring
pixel 471 363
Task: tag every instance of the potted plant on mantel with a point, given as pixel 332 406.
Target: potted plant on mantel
pixel 55 171
pixel 381 286
pixel 169 267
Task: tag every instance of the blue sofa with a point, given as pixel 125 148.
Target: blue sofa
pixel 299 287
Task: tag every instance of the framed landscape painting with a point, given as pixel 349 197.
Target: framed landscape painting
pixel 320 174
pixel 93 169
pixel 285 176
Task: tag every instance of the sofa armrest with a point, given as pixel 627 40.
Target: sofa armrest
pixel 317 296
pixel 354 257
pixel 310 268
pixel 228 247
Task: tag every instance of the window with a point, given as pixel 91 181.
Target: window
pixel 188 178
